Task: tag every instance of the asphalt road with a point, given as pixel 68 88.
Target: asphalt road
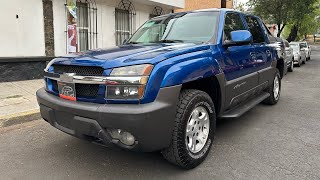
pixel 268 142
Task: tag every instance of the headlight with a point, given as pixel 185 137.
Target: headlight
pixel 128 82
pixel 137 70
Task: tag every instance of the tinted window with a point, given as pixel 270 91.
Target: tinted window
pixel 232 22
pixel 255 29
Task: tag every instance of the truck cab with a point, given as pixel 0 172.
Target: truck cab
pixel 166 86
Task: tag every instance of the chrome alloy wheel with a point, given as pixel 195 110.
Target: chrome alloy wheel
pixel 197 130
pixel 276 87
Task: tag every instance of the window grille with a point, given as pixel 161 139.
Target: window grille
pixel 157 11
pixel 124 18
pixel 87 25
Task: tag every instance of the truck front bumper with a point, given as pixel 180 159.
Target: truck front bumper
pixel 151 124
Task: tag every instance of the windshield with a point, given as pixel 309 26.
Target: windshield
pixel 303 45
pixel 295 47
pixel 195 27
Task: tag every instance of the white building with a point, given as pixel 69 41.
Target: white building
pixel 101 23
pixel 33 32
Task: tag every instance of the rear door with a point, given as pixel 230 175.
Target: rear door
pixel 238 63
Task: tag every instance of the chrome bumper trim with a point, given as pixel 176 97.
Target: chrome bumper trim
pixel 110 80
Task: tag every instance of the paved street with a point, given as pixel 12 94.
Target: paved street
pixel 269 142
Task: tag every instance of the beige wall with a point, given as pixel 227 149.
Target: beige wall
pixel 203 4
pixel 22 36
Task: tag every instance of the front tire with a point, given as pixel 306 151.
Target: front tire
pixel 299 62
pixel 274 90
pixel 194 129
pixel 290 69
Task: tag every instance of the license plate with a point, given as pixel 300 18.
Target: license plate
pixel 67 91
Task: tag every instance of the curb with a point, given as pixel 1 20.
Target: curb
pixel 19 118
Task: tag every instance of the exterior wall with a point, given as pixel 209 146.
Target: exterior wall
pixel 203 4
pixel 22 36
pixel 106 22
pixel 230 4
pixel 174 3
pixel 23 52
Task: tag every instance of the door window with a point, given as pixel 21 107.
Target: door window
pixel 255 29
pixel 233 22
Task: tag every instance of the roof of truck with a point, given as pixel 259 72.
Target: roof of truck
pixel 201 10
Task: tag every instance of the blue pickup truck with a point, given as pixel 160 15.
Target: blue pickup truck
pixel 166 86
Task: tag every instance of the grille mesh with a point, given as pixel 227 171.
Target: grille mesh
pixel 55 85
pixel 82 90
pixel 79 70
pixel 87 90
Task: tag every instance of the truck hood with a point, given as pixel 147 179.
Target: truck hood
pixel 129 55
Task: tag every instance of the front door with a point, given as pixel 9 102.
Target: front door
pixel 238 64
pixel 262 50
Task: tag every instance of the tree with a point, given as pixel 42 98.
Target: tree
pixel 303 18
pixel 241 7
pixel 299 14
pixel 273 11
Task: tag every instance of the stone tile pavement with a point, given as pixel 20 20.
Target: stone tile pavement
pixel 19 97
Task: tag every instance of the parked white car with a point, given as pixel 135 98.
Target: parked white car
pixel 299 53
pixel 307 49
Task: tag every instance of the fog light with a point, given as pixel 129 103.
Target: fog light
pixel 127 138
pixel 124 136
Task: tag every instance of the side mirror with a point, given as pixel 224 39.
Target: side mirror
pixel 238 38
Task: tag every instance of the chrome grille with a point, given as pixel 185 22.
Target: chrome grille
pixel 79 70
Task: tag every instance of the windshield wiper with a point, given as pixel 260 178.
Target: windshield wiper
pixel 132 42
pixel 170 41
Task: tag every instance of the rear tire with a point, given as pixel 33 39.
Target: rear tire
pixel 305 60
pixel 189 147
pixel 274 90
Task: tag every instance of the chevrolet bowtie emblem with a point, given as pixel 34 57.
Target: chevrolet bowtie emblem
pixel 67 77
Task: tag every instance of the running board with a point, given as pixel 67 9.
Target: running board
pixel 241 109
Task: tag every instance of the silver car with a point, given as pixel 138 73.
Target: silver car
pixel 307 49
pixel 289 59
pixel 299 53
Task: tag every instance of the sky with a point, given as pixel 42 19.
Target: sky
pixel 241 1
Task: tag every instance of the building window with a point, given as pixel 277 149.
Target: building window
pixel 87 35
pixel 157 11
pixel 223 3
pixel 124 17
pixel 83 26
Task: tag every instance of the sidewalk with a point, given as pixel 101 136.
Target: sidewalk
pixel 18 102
